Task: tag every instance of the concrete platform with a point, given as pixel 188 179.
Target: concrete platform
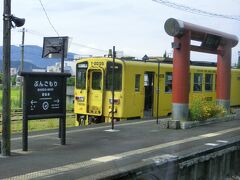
pixel 92 152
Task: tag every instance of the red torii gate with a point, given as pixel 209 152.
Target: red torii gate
pixel 212 41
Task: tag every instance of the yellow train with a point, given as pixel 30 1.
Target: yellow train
pixel 136 88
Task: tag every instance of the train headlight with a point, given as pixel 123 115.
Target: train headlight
pixel 79 98
pixel 116 101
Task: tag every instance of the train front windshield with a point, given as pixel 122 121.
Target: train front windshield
pixel 81 75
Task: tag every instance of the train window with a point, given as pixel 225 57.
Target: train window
pixel 208 82
pixel 81 76
pixel 197 85
pixel 168 82
pixel 117 76
pixel 137 82
pixel 146 82
pixel 96 80
pixel 148 79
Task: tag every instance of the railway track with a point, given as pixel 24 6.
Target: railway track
pixel 16 115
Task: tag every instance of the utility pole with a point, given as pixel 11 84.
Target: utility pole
pixel 22 66
pixel 6 103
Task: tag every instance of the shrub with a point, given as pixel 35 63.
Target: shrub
pixel 201 109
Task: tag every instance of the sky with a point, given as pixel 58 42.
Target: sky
pixel 135 27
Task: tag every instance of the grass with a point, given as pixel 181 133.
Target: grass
pixel 38 125
pixel 15 93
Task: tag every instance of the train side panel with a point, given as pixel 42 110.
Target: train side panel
pixel 136 88
pixel 202 83
pixel 165 95
pixel 235 87
pixel 133 90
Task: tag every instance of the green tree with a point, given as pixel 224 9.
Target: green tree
pixel 70 81
pixel 165 55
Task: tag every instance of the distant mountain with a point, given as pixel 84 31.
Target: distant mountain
pixel 16 64
pixel 32 57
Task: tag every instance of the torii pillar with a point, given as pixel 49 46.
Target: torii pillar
pixel 223 82
pixel 212 41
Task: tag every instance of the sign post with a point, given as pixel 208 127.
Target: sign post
pixel 44 96
pixel 56 47
pixel 113 79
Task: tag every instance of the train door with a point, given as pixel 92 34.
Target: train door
pixel 149 93
pixel 95 92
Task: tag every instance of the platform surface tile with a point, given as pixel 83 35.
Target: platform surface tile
pixel 94 152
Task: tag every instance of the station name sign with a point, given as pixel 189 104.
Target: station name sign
pixel 44 94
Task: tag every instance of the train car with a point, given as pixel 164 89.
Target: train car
pixel 136 87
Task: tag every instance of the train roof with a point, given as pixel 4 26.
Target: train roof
pixel 169 61
pixel 154 60
pixel 163 61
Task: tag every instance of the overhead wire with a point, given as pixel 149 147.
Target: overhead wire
pixel 44 10
pixel 36 33
pixel 195 10
pixel 74 43
pixel 51 24
pixel 88 47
